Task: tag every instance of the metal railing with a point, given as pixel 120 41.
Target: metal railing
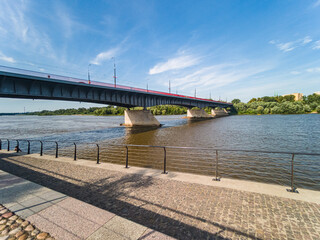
pixel 260 164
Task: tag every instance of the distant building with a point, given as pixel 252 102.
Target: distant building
pixel 318 93
pixel 297 96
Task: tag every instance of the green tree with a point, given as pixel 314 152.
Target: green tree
pixel 276 110
pixel 266 111
pixel 260 110
pixel 235 101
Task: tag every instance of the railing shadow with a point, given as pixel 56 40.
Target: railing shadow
pixel 110 193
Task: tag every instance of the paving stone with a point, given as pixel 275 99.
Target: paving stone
pixel 52 196
pixel 29 228
pixel 86 210
pixel 35 232
pixel 42 236
pixel 13 218
pixel 23 237
pixel 2 227
pixel 125 227
pixel 19 234
pixel 178 209
pixel 151 234
pixel 65 219
pixel 13 226
pixel 24 224
pixel 7 215
pixel 104 233
pixel 15 231
pixel 50 227
pixel 35 204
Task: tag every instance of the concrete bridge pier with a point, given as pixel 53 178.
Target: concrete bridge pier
pixel 139 118
pixel 197 114
pixel 219 112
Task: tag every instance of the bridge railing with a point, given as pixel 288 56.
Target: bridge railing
pixel 96 83
pixel 294 169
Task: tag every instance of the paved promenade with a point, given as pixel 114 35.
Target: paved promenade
pixel 159 207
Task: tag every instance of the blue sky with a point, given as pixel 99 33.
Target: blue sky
pixel 229 49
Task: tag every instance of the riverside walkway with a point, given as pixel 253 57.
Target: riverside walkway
pixel 145 204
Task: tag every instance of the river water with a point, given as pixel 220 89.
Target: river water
pixel 269 133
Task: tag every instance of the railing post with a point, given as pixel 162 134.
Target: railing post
pixel 0 144
pixel 293 189
pixel 8 141
pixel 98 154
pixel 41 148
pixel 17 146
pixel 75 152
pixel 217 167
pixel 57 149
pixel 127 157
pixel 28 146
pixel 164 161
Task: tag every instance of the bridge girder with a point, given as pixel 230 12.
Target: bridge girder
pixel 30 87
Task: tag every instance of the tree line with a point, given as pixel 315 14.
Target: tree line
pixel 278 105
pixel 113 111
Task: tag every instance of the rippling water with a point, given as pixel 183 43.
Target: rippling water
pixel 285 133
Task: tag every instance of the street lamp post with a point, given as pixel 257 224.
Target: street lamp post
pixel 89 81
pixel 114 72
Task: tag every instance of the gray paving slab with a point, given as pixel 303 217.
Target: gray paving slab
pixel 66 220
pixel 151 234
pixel 55 230
pixel 52 196
pixel 106 234
pixel 126 228
pixel 17 192
pixel 20 210
pixel 36 204
pixel 86 210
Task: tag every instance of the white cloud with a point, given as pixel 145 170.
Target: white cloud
pixel 316 45
pixel 317 3
pixel 173 64
pixel 313 70
pixel 6 58
pixel 20 29
pixel 295 72
pixel 103 56
pixel 286 47
pixel 306 40
pixel 216 76
pixel 289 46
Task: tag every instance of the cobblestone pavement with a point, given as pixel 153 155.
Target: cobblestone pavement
pixel 178 209
pixel 13 227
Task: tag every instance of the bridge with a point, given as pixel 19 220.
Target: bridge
pixel 20 83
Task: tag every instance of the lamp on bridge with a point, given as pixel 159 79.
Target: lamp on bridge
pixel 114 72
pixel 89 73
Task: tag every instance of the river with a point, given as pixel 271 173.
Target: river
pixel 275 133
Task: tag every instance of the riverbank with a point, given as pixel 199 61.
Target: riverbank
pixel 177 208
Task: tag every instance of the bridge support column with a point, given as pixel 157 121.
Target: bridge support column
pixel 197 113
pixel 219 112
pixel 139 118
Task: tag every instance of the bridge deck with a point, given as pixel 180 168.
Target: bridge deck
pixel 20 83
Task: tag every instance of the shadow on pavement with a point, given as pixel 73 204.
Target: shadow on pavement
pixel 112 195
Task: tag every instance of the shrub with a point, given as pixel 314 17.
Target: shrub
pixel 266 111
